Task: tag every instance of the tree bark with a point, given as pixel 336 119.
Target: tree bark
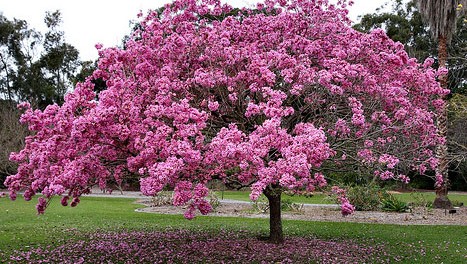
pixel 275 221
pixel 441 200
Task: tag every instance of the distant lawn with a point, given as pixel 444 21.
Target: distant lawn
pixel 21 229
pixel 430 196
pixel 320 198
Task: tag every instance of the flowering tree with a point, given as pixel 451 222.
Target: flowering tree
pixel 265 98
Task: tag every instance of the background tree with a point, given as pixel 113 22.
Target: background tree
pixel 18 45
pixel 87 68
pixel 34 68
pixel 60 60
pixel 12 135
pixel 267 98
pixel 441 17
pixel 404 23
pixel 457 141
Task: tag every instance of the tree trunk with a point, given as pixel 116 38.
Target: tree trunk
pixel 275 221
pixel 441 200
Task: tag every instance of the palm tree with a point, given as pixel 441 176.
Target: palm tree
pixel 441 18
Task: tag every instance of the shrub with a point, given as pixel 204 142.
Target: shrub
pixel 366 197
pixel 390 203
pixel 261 204
pixel 166 198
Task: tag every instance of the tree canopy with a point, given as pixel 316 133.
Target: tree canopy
pixel 266 99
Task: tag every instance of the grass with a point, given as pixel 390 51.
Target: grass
pixel 429 196
pixel 320 198
pixel 21 228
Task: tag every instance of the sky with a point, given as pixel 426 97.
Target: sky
pixel 87 22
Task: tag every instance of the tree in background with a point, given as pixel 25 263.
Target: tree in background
pixel 60 60
pixel 87 68
pixel 405 24
pixel 457 140
pixel 34 68
pixel 12 135
pixel 267 98
pixel 441 17
pixel 18 46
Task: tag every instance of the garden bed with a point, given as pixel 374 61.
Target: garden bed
pixel 417 216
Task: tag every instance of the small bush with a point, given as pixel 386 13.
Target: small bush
pixel 165 198
pixel 391 204
pixel 366 197
pixel 288 205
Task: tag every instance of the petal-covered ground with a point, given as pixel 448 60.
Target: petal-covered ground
pixel 188 247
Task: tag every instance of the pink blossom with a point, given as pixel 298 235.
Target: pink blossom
pixel 64 200
pixel 386 175
pixel 347 209
pixel 403 178
pixel 213 106
pixel 41 205
pixel 439 180
pixel 388 160
pixel 182 193
pixel 75 201
pixel 253 99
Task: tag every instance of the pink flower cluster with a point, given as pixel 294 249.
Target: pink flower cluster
pixel 346 207
pixel 258 98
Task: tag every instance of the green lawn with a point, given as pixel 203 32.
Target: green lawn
pixel 244 196
pixel 430 196
pixel 324 199
pixel 21 228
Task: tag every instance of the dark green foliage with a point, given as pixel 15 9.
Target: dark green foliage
pixel 366 197
pixel 35 68
pixel 348 178
pixel 457 141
